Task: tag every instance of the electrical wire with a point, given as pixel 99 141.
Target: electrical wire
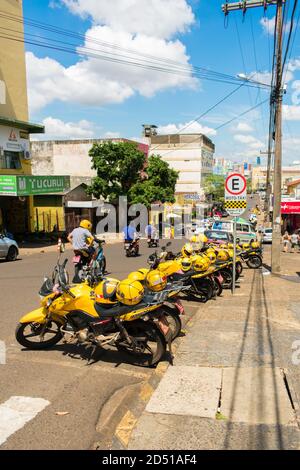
pixel 50 28
pixel 222 125
pixel 290 34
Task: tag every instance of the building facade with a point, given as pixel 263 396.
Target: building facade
pixel 192 155
pixel 70 158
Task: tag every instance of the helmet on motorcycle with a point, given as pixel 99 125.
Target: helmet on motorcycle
pixel 130 292
pixel 230 252
pixel 156 280
pixel 223 246
pixel 222 255
pixel 187 250
pixel 255 245
pixel 144 271
pixel 201 264
pixel 186 264
pixel 230 246
pixel 211 256
pixel 246 246
pixel 86 224
pixel 194 239
pixel 105 292
pixel 137 276
pixel 203 238
pixel 210 250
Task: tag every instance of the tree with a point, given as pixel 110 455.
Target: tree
pixel 214 186
pixel 118 165
pixel 158 185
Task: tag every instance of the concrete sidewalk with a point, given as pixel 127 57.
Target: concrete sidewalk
pixel 235 383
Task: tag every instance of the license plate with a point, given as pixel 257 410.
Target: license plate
pixel 127 245
pixel 179 307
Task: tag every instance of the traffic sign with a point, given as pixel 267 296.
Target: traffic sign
pixel 235 194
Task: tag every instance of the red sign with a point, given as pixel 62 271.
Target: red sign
pixel 290 207
pixel 235 184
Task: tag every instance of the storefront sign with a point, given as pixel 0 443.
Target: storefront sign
pixel 8 185
pixel 33 185
pixel 290 207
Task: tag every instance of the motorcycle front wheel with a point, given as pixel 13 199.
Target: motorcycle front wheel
pixel 38 335
pixel 149 345
pixel 174 321
pixel 227 279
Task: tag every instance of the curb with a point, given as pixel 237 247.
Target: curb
pixel 132 403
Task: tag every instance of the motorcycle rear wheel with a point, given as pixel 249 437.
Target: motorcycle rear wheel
pixel 149 339
pixel 204 292
pixel 36 329
pixel 254 262
pixel 174 321
pixel 227 279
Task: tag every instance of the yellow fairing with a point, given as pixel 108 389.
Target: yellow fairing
pixel 37 316
pixel 169 267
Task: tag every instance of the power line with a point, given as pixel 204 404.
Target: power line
pixel 207 111
pixel 290 33
pixel 202 71
pixel 223 125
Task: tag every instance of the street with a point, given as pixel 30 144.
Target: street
pixel 68 383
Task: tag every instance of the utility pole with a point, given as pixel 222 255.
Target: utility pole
pixel 276 235
pixel 268 176
pixel 275 100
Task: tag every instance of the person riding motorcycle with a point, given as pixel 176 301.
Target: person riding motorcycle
pixel 81 240
pixel 131 238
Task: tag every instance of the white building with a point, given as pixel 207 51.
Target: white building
pixel 190 154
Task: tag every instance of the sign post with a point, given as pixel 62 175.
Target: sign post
pixel 235 204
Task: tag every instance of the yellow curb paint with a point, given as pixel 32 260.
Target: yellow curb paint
pixel 161 368
pixel 146 392
pixel 125 428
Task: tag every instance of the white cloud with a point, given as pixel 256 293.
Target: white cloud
pixel 268 25
pixel 111 135
pixel 244 139
pixel 188 128
pixel 160 18
pixel 95 82
pixel 291 112
pixel 243 127
pixel 58 129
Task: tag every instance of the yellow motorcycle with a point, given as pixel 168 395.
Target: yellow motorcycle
pixel 78 315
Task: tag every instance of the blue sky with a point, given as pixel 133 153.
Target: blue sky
pixel 78 97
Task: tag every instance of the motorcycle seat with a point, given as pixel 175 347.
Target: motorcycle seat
pixel 117 310
pixel 182 276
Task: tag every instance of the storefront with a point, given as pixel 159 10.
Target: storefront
pixel 21 200
pixel 290 213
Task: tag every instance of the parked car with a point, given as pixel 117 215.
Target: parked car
pixel 267 235
pixel 8 248
pixel 244 230
pixel 217 236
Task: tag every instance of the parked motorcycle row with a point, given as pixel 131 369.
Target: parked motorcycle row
pixel 139 316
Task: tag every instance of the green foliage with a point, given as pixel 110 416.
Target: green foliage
pixel 249 185
pixel 214 186
pixel 159 185
pixel 120 172
pixel 118 167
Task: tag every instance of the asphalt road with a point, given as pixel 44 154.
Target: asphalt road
pixel 65 384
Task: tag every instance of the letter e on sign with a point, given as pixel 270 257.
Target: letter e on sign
pixel 236 184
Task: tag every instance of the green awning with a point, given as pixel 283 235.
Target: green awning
pixel 24 125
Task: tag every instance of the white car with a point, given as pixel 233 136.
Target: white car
pixel 8 248
pixel 267 235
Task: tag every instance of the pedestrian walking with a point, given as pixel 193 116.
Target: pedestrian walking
pixel 286 241
pixel 294 241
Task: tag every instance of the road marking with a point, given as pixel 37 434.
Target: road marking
pixel 16 412
pixel 125 428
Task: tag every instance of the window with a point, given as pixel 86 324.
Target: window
pixel 11 160
pixel 245 228
pixel 239 227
